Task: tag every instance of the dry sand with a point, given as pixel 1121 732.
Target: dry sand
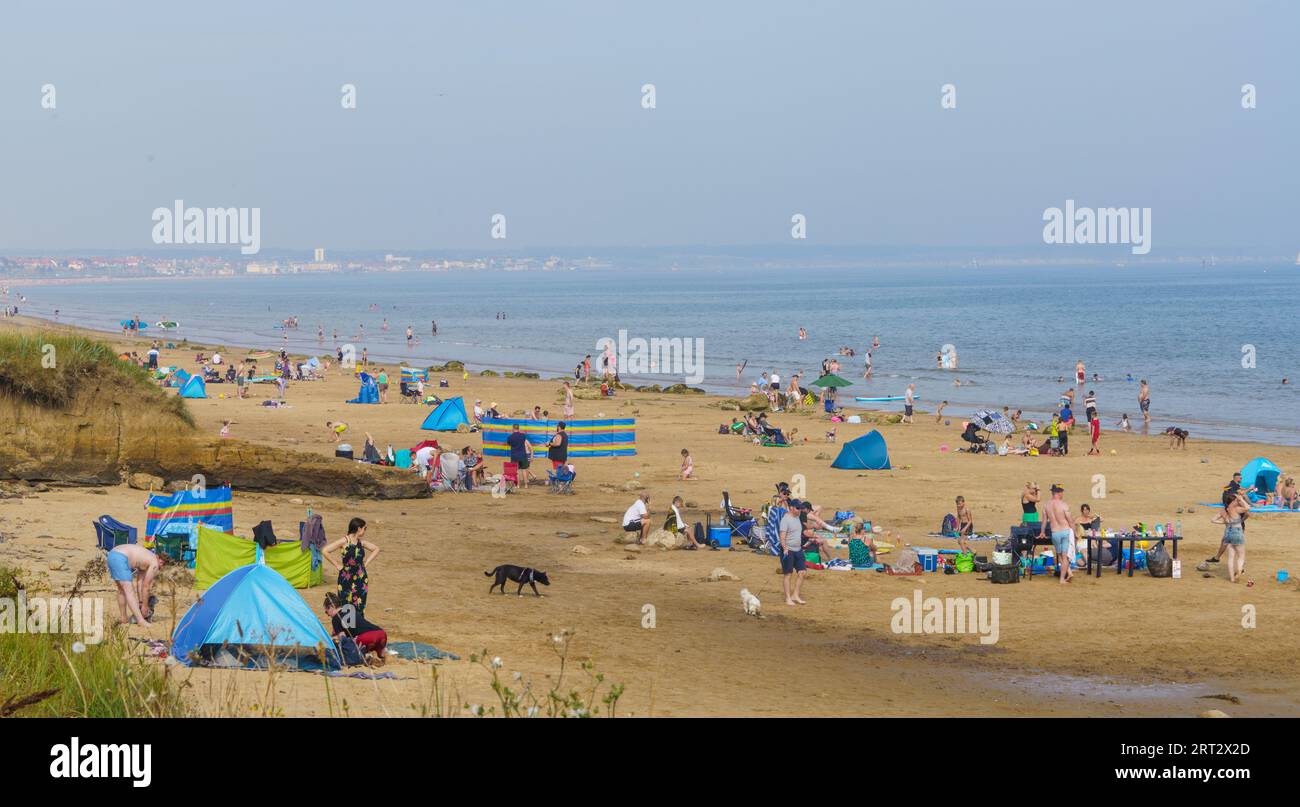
pixel 1108 646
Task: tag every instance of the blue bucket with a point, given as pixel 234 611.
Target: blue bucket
pixel 720 536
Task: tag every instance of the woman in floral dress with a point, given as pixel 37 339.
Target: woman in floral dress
pixel 354 583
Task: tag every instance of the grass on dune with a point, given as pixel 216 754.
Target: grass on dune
pixel 51 368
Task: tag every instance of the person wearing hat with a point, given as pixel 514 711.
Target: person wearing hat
pixel 1057 517
pixel 478 410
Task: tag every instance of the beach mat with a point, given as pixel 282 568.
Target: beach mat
pixel 1266 508
pixel 419 651
pixel 976 537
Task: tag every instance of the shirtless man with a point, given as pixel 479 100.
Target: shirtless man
pixel 1057 517
pixel 965 524
pixel 133 569
pixel 1144 401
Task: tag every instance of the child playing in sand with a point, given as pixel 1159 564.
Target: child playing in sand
pixel 225 427
pixel 938 412
pixel 688 464
pixel 336 429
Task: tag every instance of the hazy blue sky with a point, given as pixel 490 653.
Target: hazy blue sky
pixel 764 109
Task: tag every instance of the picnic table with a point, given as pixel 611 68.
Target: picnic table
pixel 1120 538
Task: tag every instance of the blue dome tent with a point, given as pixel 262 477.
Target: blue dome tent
pixel 1260 473
pixel 369 392
pixel 252 617
pixel 194 387
pixel 446 417
pixel 866 453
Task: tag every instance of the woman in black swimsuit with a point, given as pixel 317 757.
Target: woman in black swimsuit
pixel 1029 503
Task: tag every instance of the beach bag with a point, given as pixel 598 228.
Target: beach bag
pixel 949 527
pixel 1005 574
pixel 965 563
pixel 351 652
pixel 1159 564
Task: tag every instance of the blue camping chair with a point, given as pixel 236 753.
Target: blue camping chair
pixel 561 481
pixel 109 532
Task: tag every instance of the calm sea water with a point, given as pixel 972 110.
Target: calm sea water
pixel 1015 330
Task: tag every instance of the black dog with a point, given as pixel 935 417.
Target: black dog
pixel 517 574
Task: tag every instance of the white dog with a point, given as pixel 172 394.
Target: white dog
pixel 751 603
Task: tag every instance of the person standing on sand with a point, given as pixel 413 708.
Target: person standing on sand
pixel 938 413
pixel 1234 536
pixel 521 454
pixel 125 562
pixel 1061 521
pixel 909 398
pixel 353 580
pixel 1094 429
pixel 1029 502
pixel 792 559
pixel 568 401
pixel 241 379
pixel 558 450
pixel 1144 401
pixel 965 524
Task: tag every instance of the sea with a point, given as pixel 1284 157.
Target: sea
pixel 1214 342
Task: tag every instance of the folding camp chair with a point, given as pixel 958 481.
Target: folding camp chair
pixel 409 393
pixel 510 474
pixel 561 481
pixel 739 519
pixel 450 474
pixel 109 532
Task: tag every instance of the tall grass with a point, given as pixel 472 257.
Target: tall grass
pixel 52 368
pixel 58 675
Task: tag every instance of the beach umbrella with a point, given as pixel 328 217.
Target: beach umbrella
pixel 993 421
pixel 831 380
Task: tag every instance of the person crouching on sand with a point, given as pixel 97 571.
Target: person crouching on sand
pixel 346 621
pixel 688 465
pixel 336 429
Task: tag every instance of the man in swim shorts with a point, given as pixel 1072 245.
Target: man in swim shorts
pixel 133 569
pixel 1144 400
pixel 1057 517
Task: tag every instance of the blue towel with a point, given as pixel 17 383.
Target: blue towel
pixel 419 651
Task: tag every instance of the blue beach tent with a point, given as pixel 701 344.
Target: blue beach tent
pixel 1261 473
pixel 252 617
pixel 369 392
pixel 866 453
pixel 194 387
pixel 449 414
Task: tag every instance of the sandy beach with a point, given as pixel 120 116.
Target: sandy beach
pixel 1113 646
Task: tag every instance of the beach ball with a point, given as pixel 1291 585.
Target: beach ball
pixel 947 422
pixel 221 394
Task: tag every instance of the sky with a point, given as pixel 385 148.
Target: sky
pixel 763 110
